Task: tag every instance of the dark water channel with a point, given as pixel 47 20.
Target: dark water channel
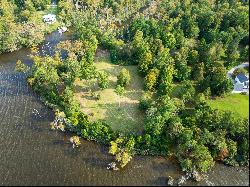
pixel 32 154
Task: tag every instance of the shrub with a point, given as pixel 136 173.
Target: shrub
pixel 102 79
pixel 75 140
pixel 145 101
pixel 124 78
pixel 123 149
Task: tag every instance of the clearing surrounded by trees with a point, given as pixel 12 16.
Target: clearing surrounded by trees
pixel 127 117
pixel 177 52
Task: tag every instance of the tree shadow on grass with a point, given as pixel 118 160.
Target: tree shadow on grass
pixel 89 97
pixel 86 86
pixel 134 94
pixel 78 88
pixel 127 118
pixel 112 70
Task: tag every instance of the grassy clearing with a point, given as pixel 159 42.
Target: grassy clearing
pixel 234 102
pixel 127 117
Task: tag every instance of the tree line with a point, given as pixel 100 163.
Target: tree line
pixel 186 43
pixel 21 24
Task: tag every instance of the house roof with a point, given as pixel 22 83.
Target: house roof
pixel 242 77
pixel 238 87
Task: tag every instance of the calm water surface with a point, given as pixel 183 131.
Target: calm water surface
pixel 32 154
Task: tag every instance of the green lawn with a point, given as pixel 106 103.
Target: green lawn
pixel 234 102
pixel 127 117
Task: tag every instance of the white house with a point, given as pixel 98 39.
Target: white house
pixel 49 18
pixel 241 83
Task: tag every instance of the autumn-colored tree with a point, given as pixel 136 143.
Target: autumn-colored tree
pixel 151 80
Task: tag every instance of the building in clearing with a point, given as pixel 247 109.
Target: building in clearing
pixel 49 18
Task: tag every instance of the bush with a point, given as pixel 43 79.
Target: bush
pixel 145 101
pixel 102 79
pixel 123 149
pixel 124 78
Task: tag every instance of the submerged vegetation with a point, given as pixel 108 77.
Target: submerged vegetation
pixel 172 42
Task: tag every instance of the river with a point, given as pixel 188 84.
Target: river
pixel 32 154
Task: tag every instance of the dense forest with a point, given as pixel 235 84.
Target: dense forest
pixel 191 43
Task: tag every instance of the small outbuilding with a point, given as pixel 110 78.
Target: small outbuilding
pixel 49 18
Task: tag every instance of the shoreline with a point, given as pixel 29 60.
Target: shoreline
pixel 141 165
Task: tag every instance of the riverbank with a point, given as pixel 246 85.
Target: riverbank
pixel 45 157
pixel 24 27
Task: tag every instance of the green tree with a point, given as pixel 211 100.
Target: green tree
pixel 141 53
pixel 198 72
pixel 245 53
pixel 103 80
pixel 217 79
pixel 182 69
pixel 145 101
pixel 122 149
pixel 166 79
pixel 151 80
pixel 124 78
pixel 65 9
pixel 145 62
pixel 194 155
pixel 193 57
pixel 190 26
pixel 187 91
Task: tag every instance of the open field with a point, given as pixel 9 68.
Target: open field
pixel 234 102
pixel 127 117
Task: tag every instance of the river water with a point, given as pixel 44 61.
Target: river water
pixel 32 154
